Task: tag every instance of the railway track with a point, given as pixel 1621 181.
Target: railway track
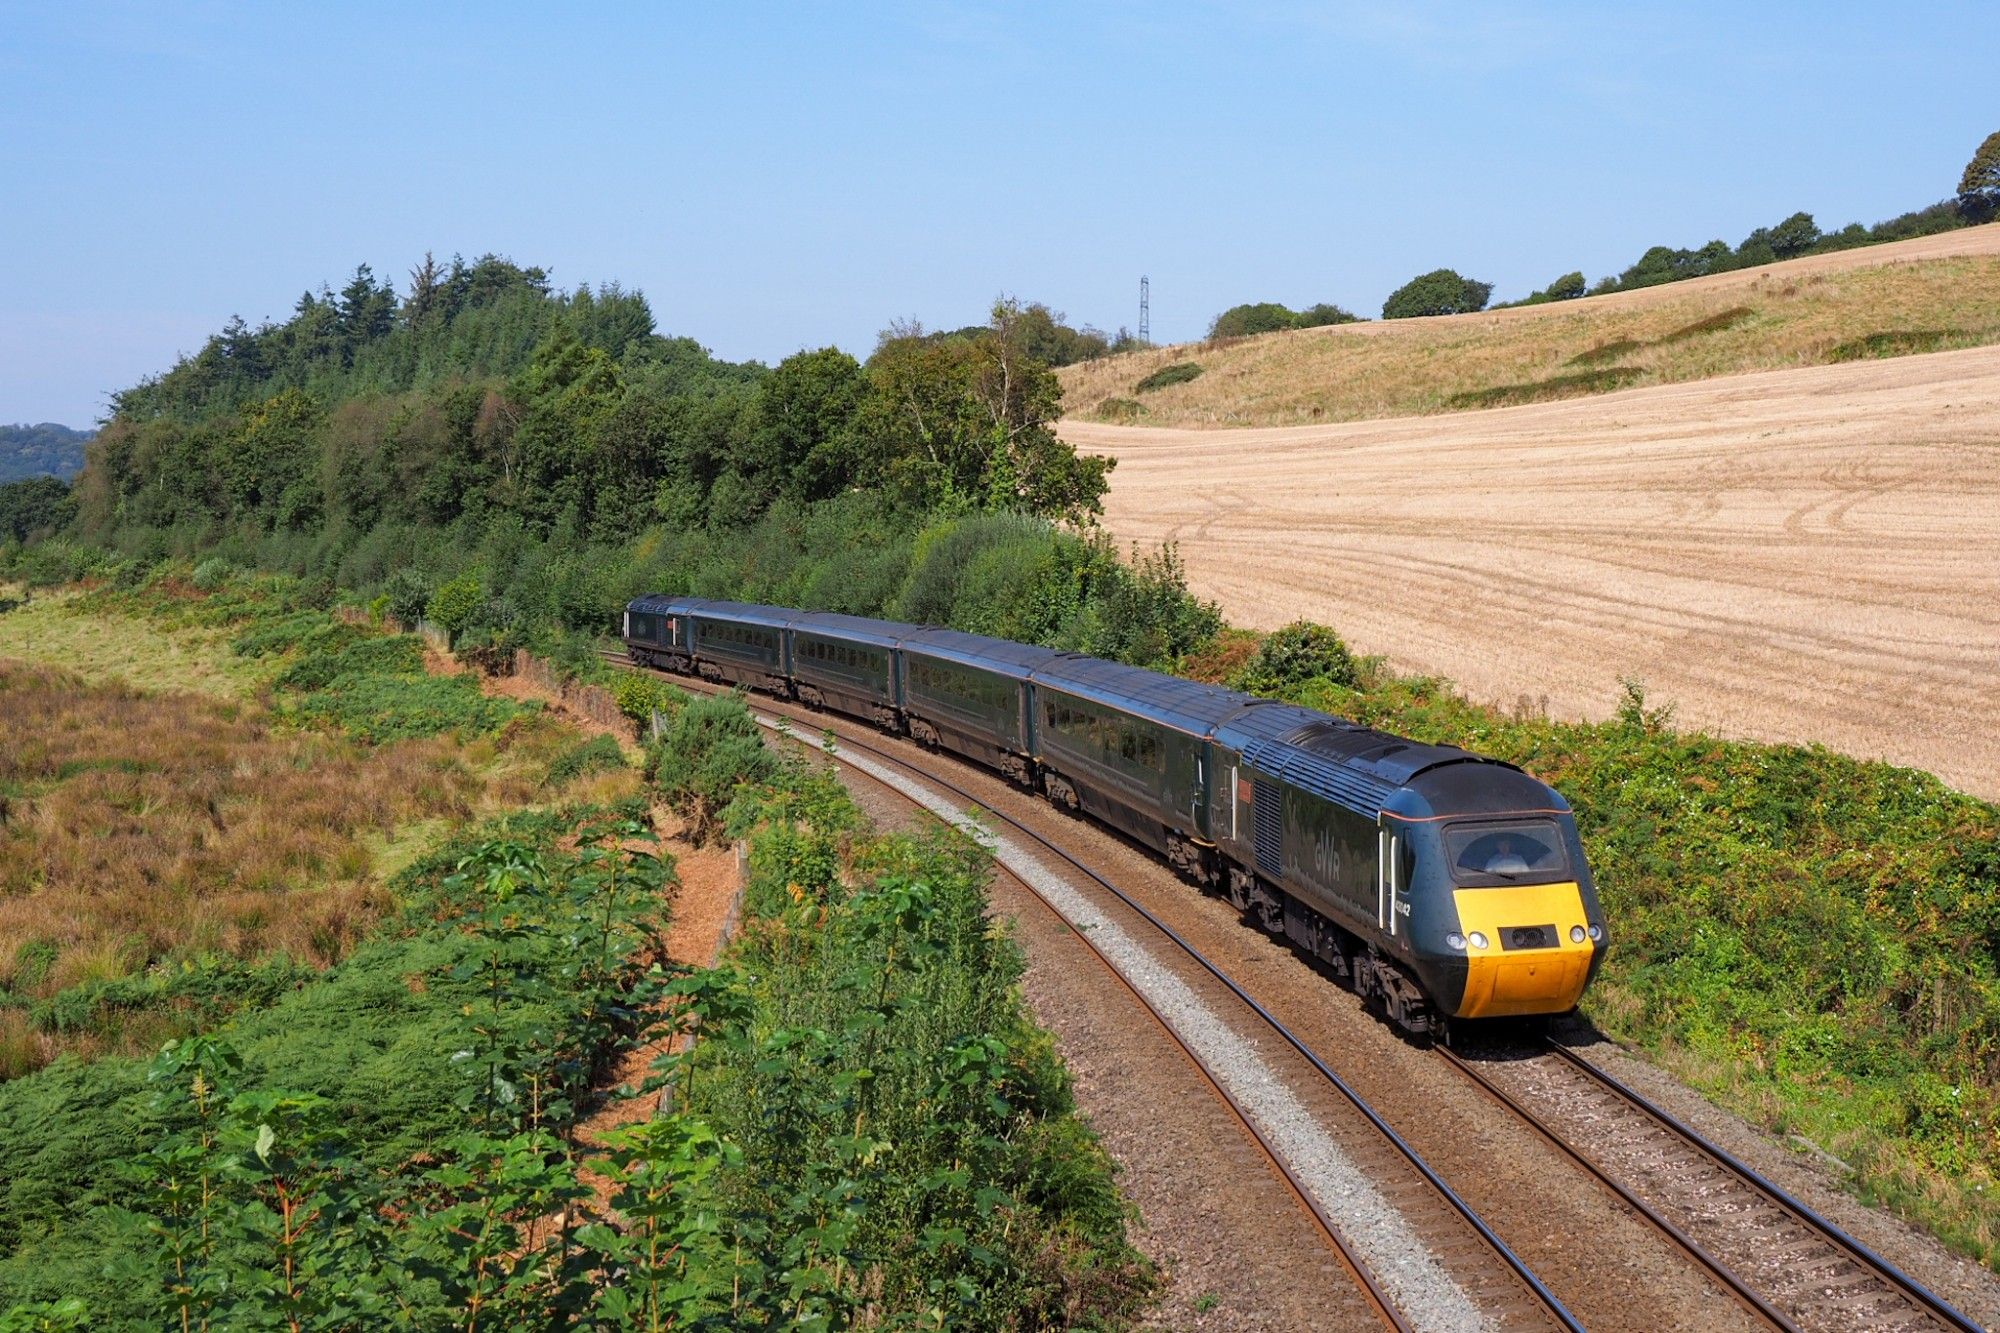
pixel 1502 1289
pixel 1794 1267
pixel 1787 1265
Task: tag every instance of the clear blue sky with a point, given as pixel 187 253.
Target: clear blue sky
pixel 787 176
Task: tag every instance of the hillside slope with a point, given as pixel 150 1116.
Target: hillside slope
pixel 46 450
pixel 1802 556
pixel 1929 294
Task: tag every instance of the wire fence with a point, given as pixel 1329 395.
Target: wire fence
pixel 590 701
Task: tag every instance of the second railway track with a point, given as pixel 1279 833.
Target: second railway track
pixel 1796 1267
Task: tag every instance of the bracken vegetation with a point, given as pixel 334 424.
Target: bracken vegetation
pixel 167 857
pixel 869 1133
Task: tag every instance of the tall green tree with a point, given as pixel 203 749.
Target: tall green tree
pixel 1979 186
pixel 808 439
pixel 1440 292
pixel 968 422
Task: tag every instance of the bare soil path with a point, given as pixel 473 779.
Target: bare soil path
pixel 1803 555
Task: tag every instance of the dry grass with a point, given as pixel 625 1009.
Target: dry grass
pixel 102 646
pixel 1933 294
pixel 1803 555
pixel 138 829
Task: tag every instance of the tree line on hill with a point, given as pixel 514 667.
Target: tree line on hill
pixel 1446 292
pixel 44 450
pixel 522 460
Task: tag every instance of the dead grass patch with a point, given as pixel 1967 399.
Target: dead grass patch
pixel 142 831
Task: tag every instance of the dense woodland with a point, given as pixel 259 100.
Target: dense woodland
pixel 546 454
pixel 46 450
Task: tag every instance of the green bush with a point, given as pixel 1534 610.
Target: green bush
pixel 1302 651
pixel 376 709
pixel 599 754
pixel 1439 292
pixel 713 748
pixel 210 575
pixel 454 605
pixel 1178 372
pixel 640 696
pixel 392 655
pixel 1566 288
pixel 1120 409
pixel 1270 317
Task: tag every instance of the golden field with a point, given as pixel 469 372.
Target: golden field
pixel 1800 555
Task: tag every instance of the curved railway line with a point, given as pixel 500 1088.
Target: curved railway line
pixel 1781 1261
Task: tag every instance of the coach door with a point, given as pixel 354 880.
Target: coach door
pixel 1187 781
pixel 1386 887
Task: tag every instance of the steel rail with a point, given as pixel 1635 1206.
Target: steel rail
pixel 1886 1272
pixel 1735 1285
pixel 1486 1234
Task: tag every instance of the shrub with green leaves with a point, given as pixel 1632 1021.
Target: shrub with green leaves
pixel 210 575
pixel 599 754
pixel 1440 292
pixel 454 605
pixel 1178 372
pixel 712 748
pixel 1300 652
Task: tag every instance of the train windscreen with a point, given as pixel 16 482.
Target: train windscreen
pixel 1523 851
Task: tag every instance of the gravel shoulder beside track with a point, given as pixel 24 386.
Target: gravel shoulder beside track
pixel 1234 1248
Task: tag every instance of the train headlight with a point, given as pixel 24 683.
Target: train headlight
pixel 1596 931
pixel 1576 935
pixel 1477 939
pixel 1455 941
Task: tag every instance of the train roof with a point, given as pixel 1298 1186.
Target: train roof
pixel 1185 705
pixel 666 604
pixel 1343 761
pixel 746 613
pixel 1002 655
pixel 1331 757
pixel 858 629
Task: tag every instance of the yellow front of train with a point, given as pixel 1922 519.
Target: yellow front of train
pixel 1504 915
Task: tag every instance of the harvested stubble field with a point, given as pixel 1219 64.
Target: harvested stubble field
pixel 1802 556
pixel 1934 293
